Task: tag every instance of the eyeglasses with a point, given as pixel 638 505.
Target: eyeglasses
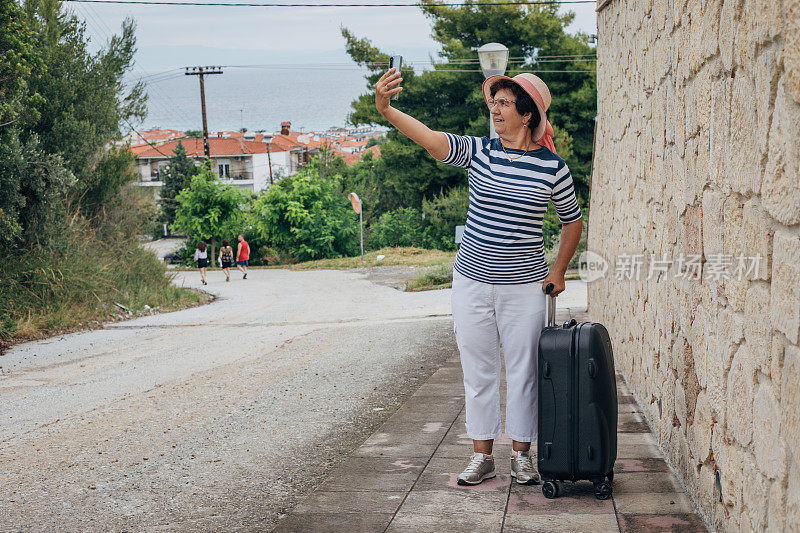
pixel 502 102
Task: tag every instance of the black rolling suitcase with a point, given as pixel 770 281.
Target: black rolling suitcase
pixel 577 405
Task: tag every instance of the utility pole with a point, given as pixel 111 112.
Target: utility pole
pixel 201 72
pixel 267 138
pixel 269 162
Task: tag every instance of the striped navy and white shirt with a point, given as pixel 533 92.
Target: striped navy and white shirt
pixel 503 242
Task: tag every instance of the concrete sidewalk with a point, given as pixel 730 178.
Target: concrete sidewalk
pixel 403 478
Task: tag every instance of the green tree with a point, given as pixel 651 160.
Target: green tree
pixel 177 175
pixel 449 98
pixel 193 134
pixel 209 209
pixel 19 59
pixel 376 141
pixel 115 169
pixel 33 185
pixel 84 100
pixel 32 182
pixel 68 222
pixel 329 163
pixel 307 216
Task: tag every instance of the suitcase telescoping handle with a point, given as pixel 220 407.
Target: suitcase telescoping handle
pixel 550 305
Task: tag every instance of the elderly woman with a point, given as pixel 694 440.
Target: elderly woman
pixel 500 272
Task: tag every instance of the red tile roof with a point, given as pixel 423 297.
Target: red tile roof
pixel 219 147
pixel 139 148
pixel 351 159
pixel 154 136
pixel 352 143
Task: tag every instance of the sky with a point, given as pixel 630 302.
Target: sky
pixel 171 37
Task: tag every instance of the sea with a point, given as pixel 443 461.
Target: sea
pixel 252 98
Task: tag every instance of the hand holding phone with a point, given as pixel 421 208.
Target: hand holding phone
pixel 388 86
pixel 397 63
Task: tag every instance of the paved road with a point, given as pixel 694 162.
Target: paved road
pixel 217 417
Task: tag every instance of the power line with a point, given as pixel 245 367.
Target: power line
pixel 145 140
pixel 509 71
pixel 352 69
pixel 417 5
pixel 351 66
pixel 93 19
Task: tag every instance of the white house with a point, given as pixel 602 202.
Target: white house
pixel 241 162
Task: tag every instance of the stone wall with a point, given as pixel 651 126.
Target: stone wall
pixel 698 153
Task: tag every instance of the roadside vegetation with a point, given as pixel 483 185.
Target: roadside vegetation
pixel 440 277
pixel 69 216
pixel 401 256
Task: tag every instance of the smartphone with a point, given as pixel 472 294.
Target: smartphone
pixel 395 62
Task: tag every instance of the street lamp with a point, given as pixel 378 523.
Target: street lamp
pixel 267 138
pixel 494 59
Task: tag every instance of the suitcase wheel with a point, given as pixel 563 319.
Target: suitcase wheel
pixel 602 490
pixel 550 489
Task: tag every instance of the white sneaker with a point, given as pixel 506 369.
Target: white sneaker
pixel 523 469
pixel 480 467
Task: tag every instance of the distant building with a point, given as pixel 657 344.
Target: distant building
pixel 151 137
pixel 240 162
pixel 351 158
pixel 243 158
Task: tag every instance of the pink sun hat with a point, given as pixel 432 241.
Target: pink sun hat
pixel 538 91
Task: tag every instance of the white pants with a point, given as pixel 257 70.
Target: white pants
pixel 486 315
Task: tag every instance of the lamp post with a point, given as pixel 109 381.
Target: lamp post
pixel 494 59
pixel 267 137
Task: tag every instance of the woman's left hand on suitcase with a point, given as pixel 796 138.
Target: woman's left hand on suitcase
pixel 558 283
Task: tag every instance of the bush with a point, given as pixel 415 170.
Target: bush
pixel 185 253
pixel 79 279
pixel 401 227
pixel 271 257
pixel 439 277
pixel 307 217
pixel 441 216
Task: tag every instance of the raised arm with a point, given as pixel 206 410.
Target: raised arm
pixel 435 142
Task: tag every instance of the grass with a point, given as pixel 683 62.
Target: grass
pixel 439 277
pixel 81 283
pixel 419 257
pixel 392 257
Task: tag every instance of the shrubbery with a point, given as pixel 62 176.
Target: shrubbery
pixel 442 214
pixel 81 276
pixel 306 216
pixel 401 227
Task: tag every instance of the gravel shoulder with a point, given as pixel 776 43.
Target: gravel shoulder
pixel 217 417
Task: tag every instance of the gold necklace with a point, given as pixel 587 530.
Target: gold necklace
pixel 508 156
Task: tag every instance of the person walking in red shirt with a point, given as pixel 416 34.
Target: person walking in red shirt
pixel 242 256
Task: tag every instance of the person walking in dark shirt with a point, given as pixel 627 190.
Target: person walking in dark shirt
pixel 226 259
